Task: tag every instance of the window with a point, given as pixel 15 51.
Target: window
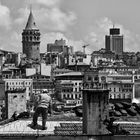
pixel 96 78
pixel 15 96
pixel 26 38
pixel 119 96
pixel 103 78
pixel 114 89
pixel 119 89
pixel 72 96
pixel 38 38
pixel 89 78
pixel 30 38
pixel 135 77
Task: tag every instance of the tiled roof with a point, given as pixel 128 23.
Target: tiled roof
pixel 132 127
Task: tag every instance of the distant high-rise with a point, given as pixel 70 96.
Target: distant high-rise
pixel 114 41
pixel 31 39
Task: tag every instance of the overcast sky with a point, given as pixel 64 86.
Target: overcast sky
pixel 80 22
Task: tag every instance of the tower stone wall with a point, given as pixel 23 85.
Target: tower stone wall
pixel 31 39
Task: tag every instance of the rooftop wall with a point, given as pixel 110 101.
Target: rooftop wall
pixel 82 137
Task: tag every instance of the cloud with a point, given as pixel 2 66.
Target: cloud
pixel 5 17
pixel 49 3
pixel 22 18
pixel 48 17
pixel 54 19
pixel 96 35
pixel 13 43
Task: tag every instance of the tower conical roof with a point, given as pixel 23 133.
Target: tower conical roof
pixel 31 22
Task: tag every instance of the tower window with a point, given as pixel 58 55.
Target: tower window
pixel 38 38
pixel 26 38
pixel 31 38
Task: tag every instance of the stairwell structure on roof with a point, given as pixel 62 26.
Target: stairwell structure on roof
pixel 31 39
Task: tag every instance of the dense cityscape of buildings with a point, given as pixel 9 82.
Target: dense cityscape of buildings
pixel 61 71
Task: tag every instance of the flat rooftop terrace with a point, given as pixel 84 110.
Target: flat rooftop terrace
pixel 21 130
pixel 22 127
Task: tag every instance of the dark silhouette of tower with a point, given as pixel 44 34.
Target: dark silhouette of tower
pixel 95 103
pixel 31 39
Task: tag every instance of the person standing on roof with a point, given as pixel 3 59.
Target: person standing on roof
pixel 43 105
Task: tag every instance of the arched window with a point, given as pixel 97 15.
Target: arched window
pixel 72 96
pixel 96 78
pixel 27 38
pixel 38 38
pixel 30 38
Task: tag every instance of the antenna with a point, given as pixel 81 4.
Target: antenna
pixel 29 4
pixel 30 7
pixel 113 25
pixel 85 47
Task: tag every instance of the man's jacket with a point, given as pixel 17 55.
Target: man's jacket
pixel 44 101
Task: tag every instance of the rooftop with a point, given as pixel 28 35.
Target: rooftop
pixel 22 127
pixel 71 74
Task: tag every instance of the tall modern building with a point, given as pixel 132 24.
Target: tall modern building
pixel 31 39
pixel 114 41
